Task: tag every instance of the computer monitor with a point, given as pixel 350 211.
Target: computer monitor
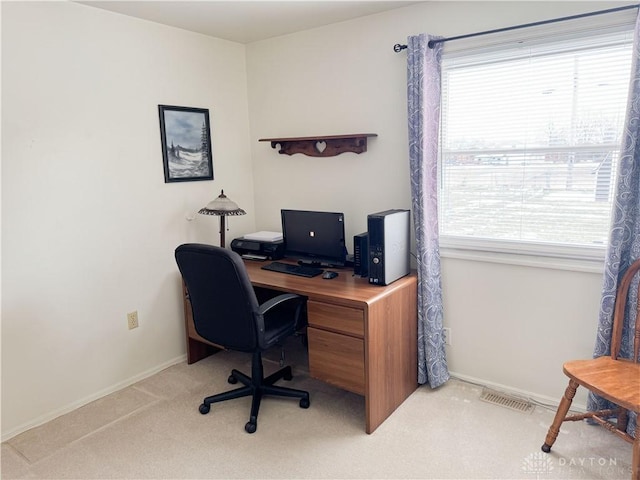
pixel 315 238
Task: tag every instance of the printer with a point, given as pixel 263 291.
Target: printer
pixel 258 249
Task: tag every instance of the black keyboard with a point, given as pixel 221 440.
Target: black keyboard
pixel 300 270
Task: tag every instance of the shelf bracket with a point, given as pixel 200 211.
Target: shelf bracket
pixel 321 146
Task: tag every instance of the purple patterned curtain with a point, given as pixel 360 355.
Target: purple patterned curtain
pixel 423 92
pixel 624 237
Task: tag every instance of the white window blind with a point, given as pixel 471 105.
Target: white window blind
pixel 530 139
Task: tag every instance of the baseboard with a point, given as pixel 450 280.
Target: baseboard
pixel 42 419
pixel 552 403
pixel 543 400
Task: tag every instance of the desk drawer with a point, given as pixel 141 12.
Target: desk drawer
pixel 336 318
pixel 336 359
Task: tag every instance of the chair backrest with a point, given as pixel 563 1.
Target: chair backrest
pixel 626 296
pixel 224 304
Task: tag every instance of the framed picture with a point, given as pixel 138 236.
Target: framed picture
pixel 186 143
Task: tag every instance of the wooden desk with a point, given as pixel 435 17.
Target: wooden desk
pixel 362 337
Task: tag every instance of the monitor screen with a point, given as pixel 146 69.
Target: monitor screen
pixel 314 237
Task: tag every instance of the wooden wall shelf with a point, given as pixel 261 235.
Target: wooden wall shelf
pixel 325 146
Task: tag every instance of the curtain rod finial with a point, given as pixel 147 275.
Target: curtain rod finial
pixel 398 48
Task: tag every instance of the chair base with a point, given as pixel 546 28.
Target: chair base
pixel 257 386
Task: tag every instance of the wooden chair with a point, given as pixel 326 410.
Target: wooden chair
pixel 613 378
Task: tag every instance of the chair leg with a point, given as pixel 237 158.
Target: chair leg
pixel 561 413
pixel 252 424
pixel 622 419
pixel 230 395
pixel 286 392
pixel 268 387
pixel 283 373
pixel 635 462
pixel 221 397
pixel 239 376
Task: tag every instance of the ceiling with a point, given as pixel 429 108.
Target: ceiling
pixel 246 21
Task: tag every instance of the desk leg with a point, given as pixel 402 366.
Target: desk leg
pixel 197 350
pixel 391 354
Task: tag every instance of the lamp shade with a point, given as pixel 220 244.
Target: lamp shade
pixel 222 206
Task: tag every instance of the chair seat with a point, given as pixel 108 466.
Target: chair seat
pixel 603 376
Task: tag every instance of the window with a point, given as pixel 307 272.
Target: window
pixel 530 141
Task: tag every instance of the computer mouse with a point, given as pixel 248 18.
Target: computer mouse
pixel 327 275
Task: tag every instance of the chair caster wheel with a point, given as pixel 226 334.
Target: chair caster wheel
pixel 304 403
pixel 232 379
pixel 250 427
pixel 204 409
pixel 546 448
pixel 288 375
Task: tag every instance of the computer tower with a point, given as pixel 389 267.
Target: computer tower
pixel 388 246
pixel 361 254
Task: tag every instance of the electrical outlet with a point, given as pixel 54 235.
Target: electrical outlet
pixel 132 320
pixel 446 332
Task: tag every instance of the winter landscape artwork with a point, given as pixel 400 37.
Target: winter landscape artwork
pixel 186 143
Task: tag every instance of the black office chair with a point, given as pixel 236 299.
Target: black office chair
pixel 226 312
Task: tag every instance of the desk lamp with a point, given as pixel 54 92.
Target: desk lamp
pixel 222 207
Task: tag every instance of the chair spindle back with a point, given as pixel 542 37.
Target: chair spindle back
pixel 622 298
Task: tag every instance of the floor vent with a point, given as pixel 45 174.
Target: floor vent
pixel 503 400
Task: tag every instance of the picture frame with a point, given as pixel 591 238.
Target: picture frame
pixel 185 133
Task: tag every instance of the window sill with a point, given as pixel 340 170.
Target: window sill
pixel 589 260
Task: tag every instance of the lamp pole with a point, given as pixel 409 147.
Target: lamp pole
pixel 222 227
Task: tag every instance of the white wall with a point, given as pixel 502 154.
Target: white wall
pixel 512 326
pixel 89 226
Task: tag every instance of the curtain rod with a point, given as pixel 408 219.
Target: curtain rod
pixel 398 47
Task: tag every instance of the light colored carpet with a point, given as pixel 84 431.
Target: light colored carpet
pixel 153 430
